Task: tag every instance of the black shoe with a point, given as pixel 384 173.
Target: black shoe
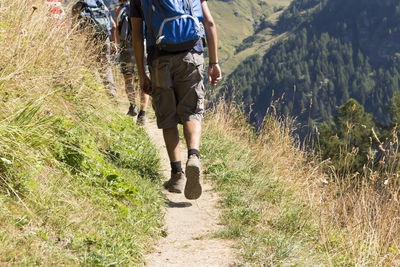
pixel 141 120
pixel 133 110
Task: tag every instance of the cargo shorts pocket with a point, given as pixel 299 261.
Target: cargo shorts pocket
pixel 196 60
pixel 160 74
pixel 200 100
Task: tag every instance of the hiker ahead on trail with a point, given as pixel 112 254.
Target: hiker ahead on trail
pixel 127 60
pixel 93 15
pixel 174 37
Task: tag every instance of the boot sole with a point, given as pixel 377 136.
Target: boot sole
pixel 193 188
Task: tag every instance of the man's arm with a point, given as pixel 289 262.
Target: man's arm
pixel 214 71
pixel 116 12
pixel 138 48
pixel 113 30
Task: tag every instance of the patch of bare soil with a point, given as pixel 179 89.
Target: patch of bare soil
pixel 189 224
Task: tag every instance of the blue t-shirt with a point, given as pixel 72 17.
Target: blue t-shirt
pixel 137 12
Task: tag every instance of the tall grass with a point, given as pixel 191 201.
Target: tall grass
pixel 366 207
pixel 79 182
pixel 285 207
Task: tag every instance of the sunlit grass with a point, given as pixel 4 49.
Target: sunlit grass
pixel 79 181
pixel 282 205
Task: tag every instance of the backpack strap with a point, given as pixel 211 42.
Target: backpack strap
pixel 191 7
pixel 185 5
pixel 149 29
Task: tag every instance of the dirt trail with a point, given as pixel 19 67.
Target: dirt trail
pixel 188 223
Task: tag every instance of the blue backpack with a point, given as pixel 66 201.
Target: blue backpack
pixel 173 25
pixel 94 13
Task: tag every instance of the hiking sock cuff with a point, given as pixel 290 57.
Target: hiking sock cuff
pixel 193 152
pixel 176 167
pixel 142 113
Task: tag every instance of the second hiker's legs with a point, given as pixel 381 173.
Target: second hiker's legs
pixel 105 69
pixel 127 62
pixel 129 89
pixel 144 101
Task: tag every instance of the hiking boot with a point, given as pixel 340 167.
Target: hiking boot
pixel 193 174
pixel 176 183
pixel 141 120
pixel 133 110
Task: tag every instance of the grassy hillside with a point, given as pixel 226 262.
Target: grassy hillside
pixel 283 207
pixel 79 183
pixel 238 20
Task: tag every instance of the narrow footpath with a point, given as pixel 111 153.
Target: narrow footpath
pixel 189 224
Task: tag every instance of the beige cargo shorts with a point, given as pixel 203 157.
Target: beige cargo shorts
pixel 178 88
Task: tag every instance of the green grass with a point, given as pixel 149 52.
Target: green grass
pixel 79 181
pixel 91 196
pixel 270 222
pixel 282 209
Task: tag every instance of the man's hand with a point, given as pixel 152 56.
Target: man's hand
pixel 145 84
pixel 214 74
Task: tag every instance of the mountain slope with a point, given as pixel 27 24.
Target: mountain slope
pixel 338 49
pixel 239 19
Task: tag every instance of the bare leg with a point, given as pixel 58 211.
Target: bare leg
pixel 172 142
pixel 192 132
pixel 144 101
pixel 144 98
pixel 129 89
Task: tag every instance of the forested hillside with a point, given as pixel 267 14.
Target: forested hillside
pixel 339 49
pixel 240 24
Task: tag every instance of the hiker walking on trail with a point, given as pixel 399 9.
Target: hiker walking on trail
pixel 93 15
pixel 127 61
pixel 175 56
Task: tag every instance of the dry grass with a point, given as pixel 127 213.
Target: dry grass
pixel 366 208
pixel 303 215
